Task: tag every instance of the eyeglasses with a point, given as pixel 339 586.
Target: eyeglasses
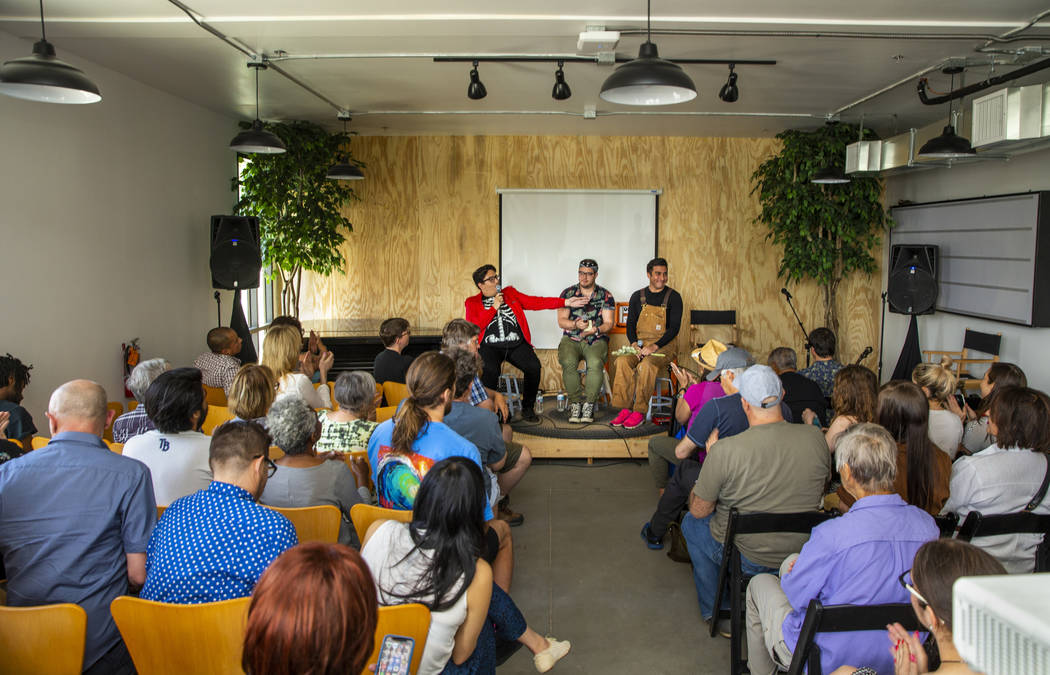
pixel 271 468
pixel 494 277
pixel 911 589
pixel 587 274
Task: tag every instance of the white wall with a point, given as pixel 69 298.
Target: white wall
pixel 1022 345
pixel 104 222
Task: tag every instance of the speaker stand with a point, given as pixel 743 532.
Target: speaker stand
pixel 218 308
pixel 882 333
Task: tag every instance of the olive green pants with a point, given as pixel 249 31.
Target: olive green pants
pixel 569 354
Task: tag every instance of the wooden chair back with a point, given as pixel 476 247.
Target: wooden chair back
pixel 132 404
pixel 217 414
pixel 385 413
pixel 394 393
pixel 116 447
pixel 118 409
pixel 215 396
pixel 39 442
pixel 160 511
pixel 412 620
pixel 363 515
pixel 349 457
pixel 276 453
pixel 314 523
pixel 170 639
pixel 964 359
pixel 45 639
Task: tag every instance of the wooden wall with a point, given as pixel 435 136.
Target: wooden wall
pixel 429 215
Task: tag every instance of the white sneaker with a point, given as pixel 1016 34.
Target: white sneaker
pixel 574 412
pixel 587 416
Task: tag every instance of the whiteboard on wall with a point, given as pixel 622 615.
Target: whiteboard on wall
pixel 545 233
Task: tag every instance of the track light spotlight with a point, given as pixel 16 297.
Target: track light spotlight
pixel 475 90
pixel 561 89
pixel 730 92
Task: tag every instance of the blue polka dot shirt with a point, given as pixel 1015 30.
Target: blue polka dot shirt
pixel 213 545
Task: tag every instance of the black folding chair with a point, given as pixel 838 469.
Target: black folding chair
pixel 731 572
pixel 947 524
pixel 979 525
pixel 843 619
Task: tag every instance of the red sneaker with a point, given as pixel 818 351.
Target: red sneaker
pixel 634 420
pixel 619 420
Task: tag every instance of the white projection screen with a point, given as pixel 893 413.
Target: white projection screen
pixel 545 233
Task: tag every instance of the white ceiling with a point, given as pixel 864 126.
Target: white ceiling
pixel 154 42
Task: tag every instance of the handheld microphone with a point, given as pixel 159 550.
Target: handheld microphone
pixel 863 355
pixel 785 292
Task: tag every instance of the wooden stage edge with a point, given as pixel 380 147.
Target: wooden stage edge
pixel 544 447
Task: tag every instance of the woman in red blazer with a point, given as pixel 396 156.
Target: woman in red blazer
pixel 500 314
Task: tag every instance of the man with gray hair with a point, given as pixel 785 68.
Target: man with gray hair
pixel 800 392
pixel 75 522
pixel 462 334
pixel 772 467
pixel 853 560
pixel 135 422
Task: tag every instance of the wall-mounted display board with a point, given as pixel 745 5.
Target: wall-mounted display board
pixel 994 254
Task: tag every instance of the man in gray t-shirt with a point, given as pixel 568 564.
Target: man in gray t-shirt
pixel 773 467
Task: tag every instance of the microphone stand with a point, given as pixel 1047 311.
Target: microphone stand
pixel 805 332
pixel 882 333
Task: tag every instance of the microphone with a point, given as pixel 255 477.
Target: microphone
pixel 785 292
pixel 863 355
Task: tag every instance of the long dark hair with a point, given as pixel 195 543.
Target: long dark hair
pixel 427 379
pixel 447 524
pixel 1001 374
pixel 904 412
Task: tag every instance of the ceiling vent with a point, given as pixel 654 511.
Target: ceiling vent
pixel 1011 114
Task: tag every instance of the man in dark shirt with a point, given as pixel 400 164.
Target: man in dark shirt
pixel 14 376
pixel 800 392
pixel 654 315
pixel 821 344
pixel 391 365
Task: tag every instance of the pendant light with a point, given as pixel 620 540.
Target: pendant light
pixel 476 90
pixel 648 79
pixel 345 170
pixel 257 140
pixel 948 145
pixel 561 90
pixel 42 77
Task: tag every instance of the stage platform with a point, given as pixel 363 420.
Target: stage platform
pixel 554 437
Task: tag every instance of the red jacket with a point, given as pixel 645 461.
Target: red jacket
pixel 519 302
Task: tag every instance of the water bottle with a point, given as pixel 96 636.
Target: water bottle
pixel 539 402
pixel 561 401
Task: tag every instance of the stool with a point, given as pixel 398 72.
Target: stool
pixel 660 402
pixel 509 385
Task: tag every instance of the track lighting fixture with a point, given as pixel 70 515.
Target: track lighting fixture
pixel 42 77
pixel 948 145
pixel 345 170
pixel 476 90
pixel 257 140
pixel 730 92
pixel 561 89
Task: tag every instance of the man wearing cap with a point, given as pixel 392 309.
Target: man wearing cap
pixel 654 315
pixel 772 467
pixel 585 336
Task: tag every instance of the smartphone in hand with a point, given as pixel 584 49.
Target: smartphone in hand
pixel 395 655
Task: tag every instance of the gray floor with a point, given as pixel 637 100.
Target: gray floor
pixel 582 573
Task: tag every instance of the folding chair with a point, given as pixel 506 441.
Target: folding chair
pixel 713 317
pixel 973 341
pixel 412 620
pixel 730 570
pixel 314 523
pixel 979 525
pixel 947 525
pixel 45 639
pixel 363 515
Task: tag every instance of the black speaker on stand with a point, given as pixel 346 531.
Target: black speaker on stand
pixel 236 260
pixel 912 289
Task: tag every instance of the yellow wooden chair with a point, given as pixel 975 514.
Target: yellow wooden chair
pixel 160 511
pixel 359 453
pixel 364 515
pixel 314 523
pixel 276 453
pixel 394 393
pixel 215 396
pixel 385 413
pixel 217 414
pixel 118 409
pixel 39 442
pixel 45 639
pixel 412 620
pixel 116 447
pixel 132 404
pixel 175 639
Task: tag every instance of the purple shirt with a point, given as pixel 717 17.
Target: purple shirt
pixel 855 559
pixel 699 394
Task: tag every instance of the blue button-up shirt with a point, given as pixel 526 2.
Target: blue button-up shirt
pixel 213 545
pixel 855 560
pixel 68 514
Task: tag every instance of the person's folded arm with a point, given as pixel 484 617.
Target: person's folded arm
pixel 700 508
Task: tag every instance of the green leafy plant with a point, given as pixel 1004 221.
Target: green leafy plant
pixel 299 209
pixel 827 232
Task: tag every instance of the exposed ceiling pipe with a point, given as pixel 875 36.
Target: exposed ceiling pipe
pixel 715 32
pixel 1011 35
pixel 980 86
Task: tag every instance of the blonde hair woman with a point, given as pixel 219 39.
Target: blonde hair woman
pixel 251 392
pixel 281 349
pixel 938 382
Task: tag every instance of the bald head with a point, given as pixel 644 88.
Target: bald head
pixel 79 405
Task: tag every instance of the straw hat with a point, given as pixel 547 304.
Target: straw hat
pixel 707 355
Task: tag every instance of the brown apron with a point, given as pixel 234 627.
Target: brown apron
pixel 634 378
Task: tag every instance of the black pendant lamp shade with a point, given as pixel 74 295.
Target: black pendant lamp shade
pixel 947 146
pixel 648 80
pixel 476 90
pixel 345 170
pixel 561 90
pixel 257 140
pixel 830 175
pixel 730 92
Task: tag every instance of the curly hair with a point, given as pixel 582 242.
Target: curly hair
pixel 13 370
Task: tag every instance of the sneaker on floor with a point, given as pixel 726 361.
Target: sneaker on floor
pixel 574 412
pixel 634 420
pixel 587 415
pixel 512 518
pixel 651 541
pixel 529 416
pixel 619 419
pixel 546 659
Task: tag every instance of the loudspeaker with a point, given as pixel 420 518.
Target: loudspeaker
pixel 912 285
pixel 235 253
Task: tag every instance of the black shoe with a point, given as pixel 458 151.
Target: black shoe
pixel 651 541
pixel 529 416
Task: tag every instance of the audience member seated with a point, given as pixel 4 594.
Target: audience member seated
pixel 403 449
pixel 434 561
pixel 176 452
pixel 220 364
pixel 351 425
pixel 462 334
pixel 975 430
pixel 391 364
pixel 771 467
pixel 938 383
pixel 313 611
pixel 135 422
pixel 215 544
pixel 822 371
pixel 311 349
pixel 281 355
pixel 923 473
pixel 251 393
pixel 853 401
pixel 14 376
pixel 852 560
pixel 694 396
pixel 303 478
pixel 930 582
pixel 1006 476
pixel 800 392
pixel 75 522
pixel 8 449
pixel 508 460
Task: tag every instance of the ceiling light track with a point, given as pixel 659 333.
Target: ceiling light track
pixel 600 113
pixel 869 35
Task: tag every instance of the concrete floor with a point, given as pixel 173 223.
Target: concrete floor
pixel 582 573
